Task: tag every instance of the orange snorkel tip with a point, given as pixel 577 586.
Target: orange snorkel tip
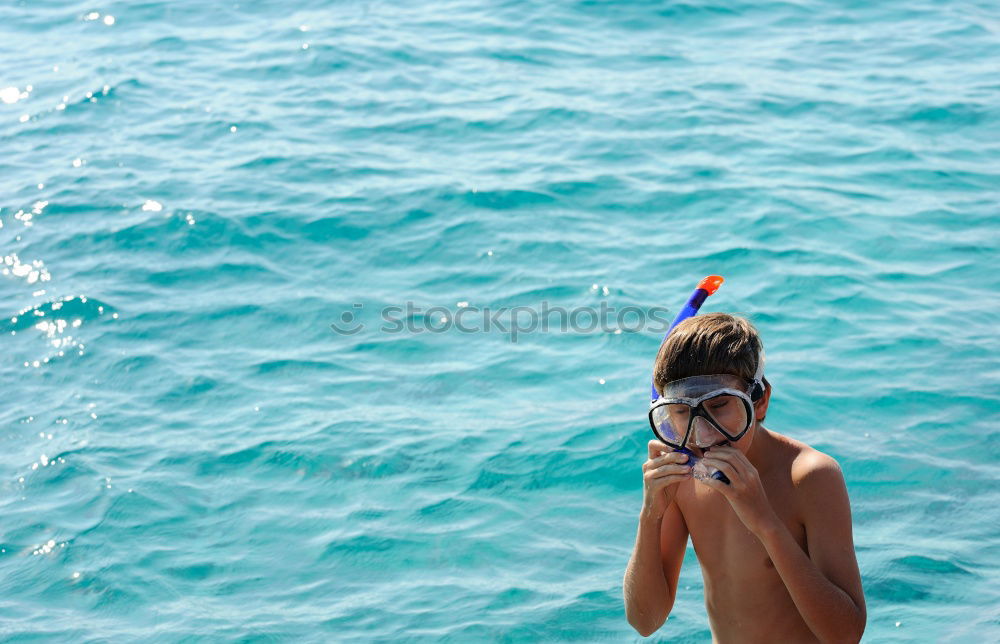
pixel 711 283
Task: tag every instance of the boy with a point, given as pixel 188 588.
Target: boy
pixel 775 543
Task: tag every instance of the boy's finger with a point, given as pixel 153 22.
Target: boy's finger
pixel 729 450
pixel 665 481
pixel 717 485
pixel 723 466
pixel 727 457
pixel 742 458
pixel 672 468
pixel 655 447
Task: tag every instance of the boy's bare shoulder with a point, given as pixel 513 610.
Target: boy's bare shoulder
pixel 808 463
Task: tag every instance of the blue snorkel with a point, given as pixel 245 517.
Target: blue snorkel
pixel 705 287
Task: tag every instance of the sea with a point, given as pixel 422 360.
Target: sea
pixel 334 321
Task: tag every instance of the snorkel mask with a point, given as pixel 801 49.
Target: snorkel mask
pixel 700 408
pixel 704 409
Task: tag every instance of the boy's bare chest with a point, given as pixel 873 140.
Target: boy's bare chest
pixel 745 597
pixel 720 538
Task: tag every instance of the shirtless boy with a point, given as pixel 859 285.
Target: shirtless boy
pixel 775 543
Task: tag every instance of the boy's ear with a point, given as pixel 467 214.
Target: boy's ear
pixel 760 407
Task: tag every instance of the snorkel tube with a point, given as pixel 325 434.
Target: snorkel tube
pixel 706 287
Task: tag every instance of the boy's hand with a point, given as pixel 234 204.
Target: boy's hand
pixel 745 492
pixel 661 473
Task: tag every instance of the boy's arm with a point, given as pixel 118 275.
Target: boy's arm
pixel 650 584
pixel 825 584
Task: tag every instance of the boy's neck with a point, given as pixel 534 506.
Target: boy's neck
pixel 761 450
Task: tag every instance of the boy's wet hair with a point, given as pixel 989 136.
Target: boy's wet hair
pixel 708 344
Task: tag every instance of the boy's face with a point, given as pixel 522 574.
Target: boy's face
pixel 704 437
pixel 701 412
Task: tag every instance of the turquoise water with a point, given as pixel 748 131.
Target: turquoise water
pixel 192 194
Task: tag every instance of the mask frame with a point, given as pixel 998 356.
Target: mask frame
pixel 701 389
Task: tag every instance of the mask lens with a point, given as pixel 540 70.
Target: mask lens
pixel 703 434
pixel 728 412
pixel 670 422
